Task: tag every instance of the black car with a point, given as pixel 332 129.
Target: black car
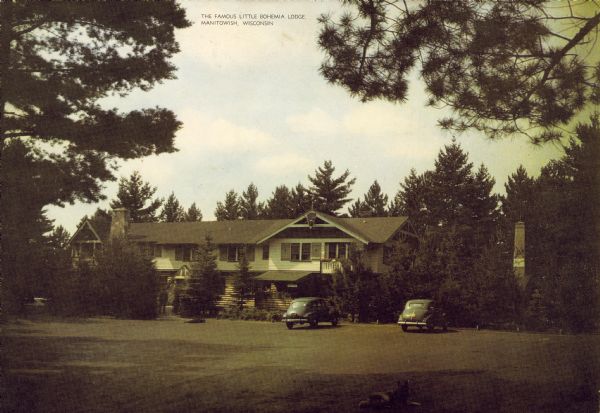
pixel 311 310
pixel 422 313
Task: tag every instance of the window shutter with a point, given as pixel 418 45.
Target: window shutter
pixel 286 251
pixel 222 252
pixel 265 252
pixel 327 251
pixel 315 251
pixel 250 252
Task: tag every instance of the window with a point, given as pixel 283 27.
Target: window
pixel 265 252
pixel 232 252
pixel 296 251
pixel 336 250
pixel 183 253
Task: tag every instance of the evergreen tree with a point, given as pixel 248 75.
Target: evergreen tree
pixel 52 79
pixel 411 200
pixel 330 193
pixel 518 204
pixel 136 195
pixel 503 67
pixel 206 283
pixel 451 183
pixel 59 238
pixel 357 209
pixel 172 210
pixel 249 208
pixel 375 202
pixel 300 201
pixel 279 205
pixel 193 214
pixel 242 281
pixel 229 210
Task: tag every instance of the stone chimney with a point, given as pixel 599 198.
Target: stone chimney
pixel 119 223
pixel 519 254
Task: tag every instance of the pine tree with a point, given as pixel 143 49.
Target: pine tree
pixel 375 202
pixel 278 206
pixel 193 214
pixel 518 204
pixel 57 62
pixel 206 283
pixel 249 208
pixel 136 195
pixel 172 210
pixel 300 201
pixel 242 280
pixel 357 209
pixel 329 193
pixel 229 210
pixel 411 200
pixel 502 67
pixel 450 185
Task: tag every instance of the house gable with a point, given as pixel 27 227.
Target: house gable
pixel 85 233
pixel 315 221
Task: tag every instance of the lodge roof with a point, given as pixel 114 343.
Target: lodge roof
pixel 376 230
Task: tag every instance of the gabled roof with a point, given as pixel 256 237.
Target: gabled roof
pixel 376 230
pixel 85 225
pixel 221 232
pixel 373 229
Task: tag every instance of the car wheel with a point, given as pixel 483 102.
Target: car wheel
pixel 313 323
pixel 405 328
pixel 289 325
pixel 334 322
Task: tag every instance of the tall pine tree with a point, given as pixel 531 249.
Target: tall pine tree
pixel 136 195
pixel 172 210
pixel 279 205
pixel 329 193
pixel 193 214
pixel 228 210
pixel 249 207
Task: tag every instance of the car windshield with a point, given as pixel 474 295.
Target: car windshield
pixel 297 305
pixel 415 305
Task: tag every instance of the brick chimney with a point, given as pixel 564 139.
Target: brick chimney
pixel 119 223
pixel 519 254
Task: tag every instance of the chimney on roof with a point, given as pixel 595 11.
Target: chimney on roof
pixel 119 223
pixel 519 254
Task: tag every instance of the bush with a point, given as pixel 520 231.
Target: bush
pixel 256 314
pixel 123 283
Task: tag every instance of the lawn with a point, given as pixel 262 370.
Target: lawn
pixel 168 365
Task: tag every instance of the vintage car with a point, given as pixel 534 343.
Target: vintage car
pixel 310 310
pixel 422 313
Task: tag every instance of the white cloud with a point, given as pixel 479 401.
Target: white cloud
pixel 401 130
pixel 201 133
pixel 283 164
pixel 314 122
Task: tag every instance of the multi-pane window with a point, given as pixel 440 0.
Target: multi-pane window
pixel 233 252
pixel 296 251
pixel 183 253
pixel 336 250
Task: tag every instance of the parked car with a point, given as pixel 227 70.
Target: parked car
pixel 422 313
pixel 311 310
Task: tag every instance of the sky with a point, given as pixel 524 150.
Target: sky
pixel 255 109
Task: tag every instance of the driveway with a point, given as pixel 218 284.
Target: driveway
pixel 168 365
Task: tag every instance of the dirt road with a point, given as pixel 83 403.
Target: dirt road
pixel 168 365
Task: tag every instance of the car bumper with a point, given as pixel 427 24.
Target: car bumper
pixel 412 323
pixel 295 320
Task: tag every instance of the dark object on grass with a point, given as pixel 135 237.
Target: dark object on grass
pixel 387 399
pixel 196 320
